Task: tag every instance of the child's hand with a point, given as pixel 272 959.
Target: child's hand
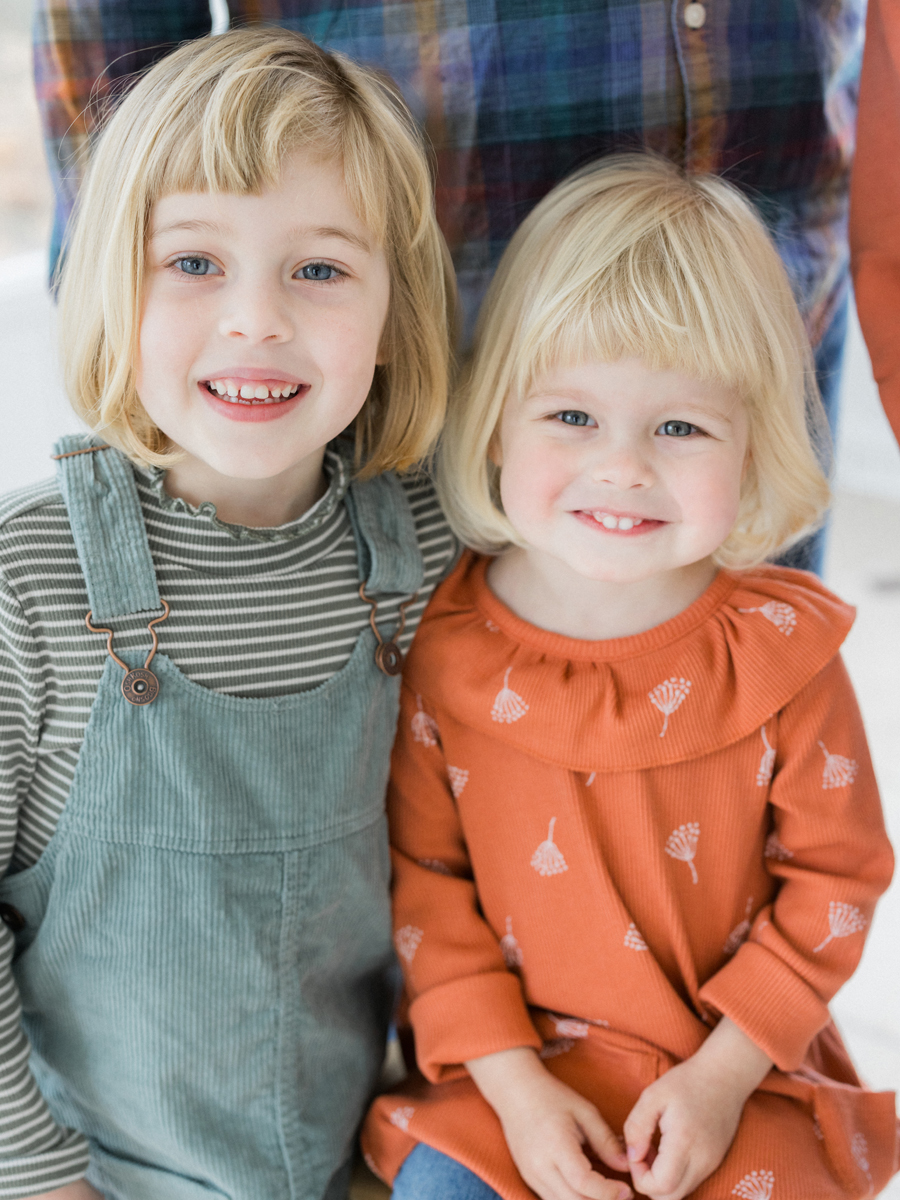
pixel 546 1124
pixel 81 1190
pixel 697 1107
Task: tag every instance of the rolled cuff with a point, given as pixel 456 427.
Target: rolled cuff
pixel 32 1175
pixel 771 1003
pixel 468 1018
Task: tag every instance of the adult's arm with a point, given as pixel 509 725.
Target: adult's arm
pixel 875 202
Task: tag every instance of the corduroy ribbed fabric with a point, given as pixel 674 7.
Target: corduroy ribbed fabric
pixel 601 847
pixel 204 963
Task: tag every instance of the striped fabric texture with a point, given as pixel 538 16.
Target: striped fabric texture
pixel 254 613
pixel 515 94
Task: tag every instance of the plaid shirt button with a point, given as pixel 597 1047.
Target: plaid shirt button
pixel 694 16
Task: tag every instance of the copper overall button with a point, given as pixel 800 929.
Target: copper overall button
pixel 140 687
pixel 12 918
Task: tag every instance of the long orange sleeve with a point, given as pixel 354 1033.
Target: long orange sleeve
pixel 828 852
pixel 875 202
pixel 464 1001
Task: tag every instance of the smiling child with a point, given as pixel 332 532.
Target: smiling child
pixel 196 937
pixel 637 839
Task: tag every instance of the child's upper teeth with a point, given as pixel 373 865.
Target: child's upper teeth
pixel 250 391
pixel 608 521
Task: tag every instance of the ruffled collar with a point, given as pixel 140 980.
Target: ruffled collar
pixel 697 683
pixel 336 467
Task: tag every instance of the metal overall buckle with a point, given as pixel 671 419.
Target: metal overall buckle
pixel 388 655
pixel 139 686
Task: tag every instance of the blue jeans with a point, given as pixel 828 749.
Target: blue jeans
pixel 429 1175
pixel 809 554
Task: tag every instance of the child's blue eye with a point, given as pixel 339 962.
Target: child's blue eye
pixel 319 271
pixel 195 264
pixel 677 429
pixel 573 417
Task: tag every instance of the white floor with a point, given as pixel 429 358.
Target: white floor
pixel 863 566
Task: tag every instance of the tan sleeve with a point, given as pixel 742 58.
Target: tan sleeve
pixel 464 1003
pixel 832 860
pixel 875 202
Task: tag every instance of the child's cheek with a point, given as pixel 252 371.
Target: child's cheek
pixel 533 480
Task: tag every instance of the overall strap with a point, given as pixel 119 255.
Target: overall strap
pixel 108 527
pixel 389 557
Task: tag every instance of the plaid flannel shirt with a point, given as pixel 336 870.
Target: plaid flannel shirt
pixel 514 95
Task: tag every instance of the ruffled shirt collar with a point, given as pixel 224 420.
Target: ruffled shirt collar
pixel 336 467
pixel 703 680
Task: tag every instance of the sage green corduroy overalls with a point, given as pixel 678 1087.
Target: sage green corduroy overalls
pixel 204 968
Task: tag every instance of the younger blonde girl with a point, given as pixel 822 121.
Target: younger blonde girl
pixel 637 839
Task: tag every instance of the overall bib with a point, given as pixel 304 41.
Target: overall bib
pixel 205 963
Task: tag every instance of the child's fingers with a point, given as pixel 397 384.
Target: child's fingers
pixel 665 1179
pixel 603 1141
pixel 641 1125
pixel 583 1183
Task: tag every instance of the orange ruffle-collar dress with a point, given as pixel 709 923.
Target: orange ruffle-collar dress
pixel 601 847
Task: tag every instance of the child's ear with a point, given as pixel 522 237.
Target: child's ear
pixel 748 458
pixel 495 450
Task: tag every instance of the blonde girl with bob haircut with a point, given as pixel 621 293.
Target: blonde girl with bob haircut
pixel 203 619
pixel 637 838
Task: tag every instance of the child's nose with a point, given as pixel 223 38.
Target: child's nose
pixel 255 310
pixel 623 464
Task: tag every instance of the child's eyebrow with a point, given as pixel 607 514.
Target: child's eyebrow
pixel 189 226
pixel 333 231
pixel 298 233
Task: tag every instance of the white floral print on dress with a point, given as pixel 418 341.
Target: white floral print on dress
pixel 436 865
pixel 843 920
pixel 839 771
pixel 669 696
pixel 817 1128
pixel 633 938
pixel 407 939
pixel 739 934
pixel 682 845
pixel 758 1185
pixel 510 948
pixel 766 763
pixel 492 626
pixel 401 1117
pixel 859 1148
pixel 458 777
pixel 508 705
pixel 556 1046
pixel 590 779
pixel 569 1027
pixel 783 616
pixel 548 858
pixel 776 849
pixel 424 728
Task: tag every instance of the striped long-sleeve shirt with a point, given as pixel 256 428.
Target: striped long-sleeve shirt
pixel 516 94
pixel 253 613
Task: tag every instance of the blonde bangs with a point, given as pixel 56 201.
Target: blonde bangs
pixel 630 259
pixel 220 115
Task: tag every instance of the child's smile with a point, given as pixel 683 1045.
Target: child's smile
pixel 260 331
pixel 244 394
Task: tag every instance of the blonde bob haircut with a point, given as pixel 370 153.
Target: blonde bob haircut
pixel 220 115
pixel 630 258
